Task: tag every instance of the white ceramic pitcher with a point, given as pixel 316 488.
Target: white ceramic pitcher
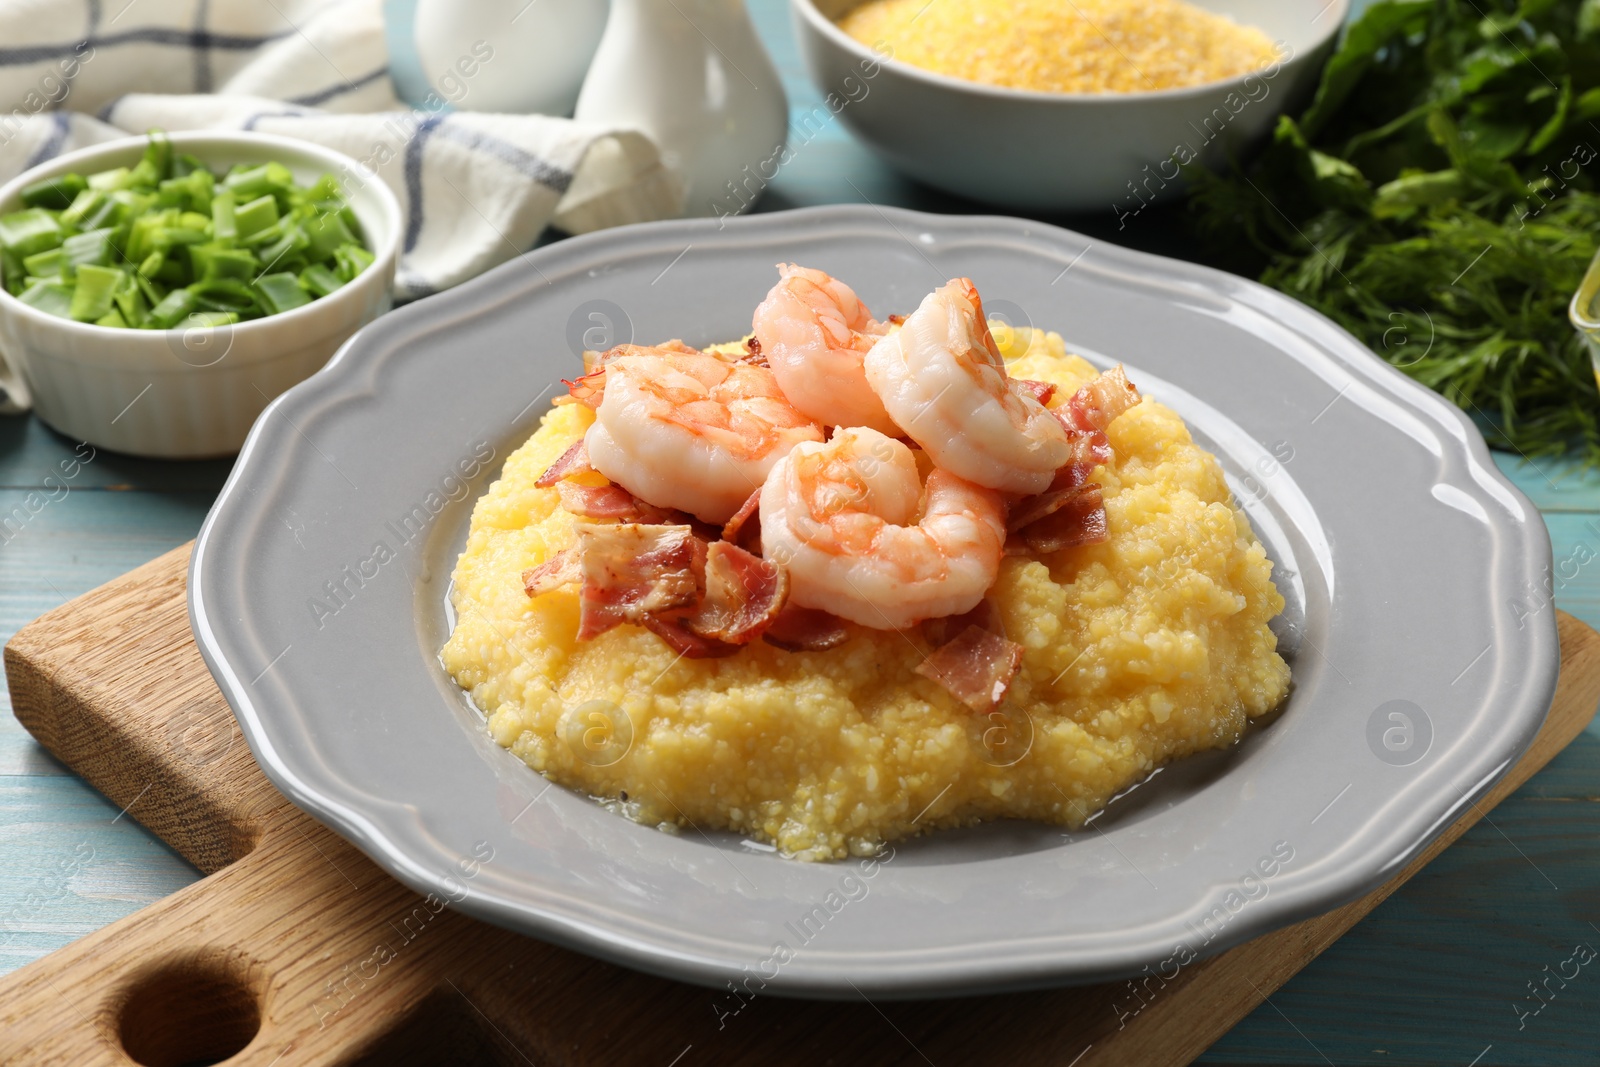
pixel 538 52
pixel 694 78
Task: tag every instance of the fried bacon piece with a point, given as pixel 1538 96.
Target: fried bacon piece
pixel 631 570
pixel 702 600
pixel 1089 450
pixel 1030 510
pixel 574 460
pixel 564 568
pixel 614 502
pixel 1058 519
pixel 743 595
pixel 798 629
pixel 742 518
pixel 684 641
pixel 1071 512
pixel 1040 391
pixel 976 667
pixel 942 630
pixel 1094 406
pixel 752 351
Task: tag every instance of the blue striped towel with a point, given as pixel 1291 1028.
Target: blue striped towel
pixel 476 189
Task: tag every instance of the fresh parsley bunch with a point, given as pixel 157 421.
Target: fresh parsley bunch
pixel 1437 199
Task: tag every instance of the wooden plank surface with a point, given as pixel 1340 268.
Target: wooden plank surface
pixel 1434 976
pixel 297 942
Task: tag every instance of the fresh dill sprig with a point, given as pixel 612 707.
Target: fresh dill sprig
pixel 1435 200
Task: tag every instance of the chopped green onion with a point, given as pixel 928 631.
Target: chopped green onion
pixel 319 279
pixel 223 226
pixel 45 264
pixel 351 260
pixel 85 202
pixel 281 292
pixel 52 298
pixel 282 252
pixel 93 248
pixel 55 193
pixel 168 243
pixel 153 292
pixel 258 214
pixel 266 179
pixel 211 263
pixel 91 296
pixel 208 320
pixel 326 233
pixel 30 231
pixel 227 294
pixel 173 308
pixel 131 302
pixel 107 180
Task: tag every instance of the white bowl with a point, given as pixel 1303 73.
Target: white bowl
pixel 192 393
pixel 1057 151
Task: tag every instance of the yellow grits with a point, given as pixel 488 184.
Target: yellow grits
pixel 1151 646
pixel 1078 46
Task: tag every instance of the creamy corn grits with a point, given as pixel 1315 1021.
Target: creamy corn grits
pixel 1148 647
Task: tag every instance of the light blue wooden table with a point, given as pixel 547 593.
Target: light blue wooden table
pixel 1442 973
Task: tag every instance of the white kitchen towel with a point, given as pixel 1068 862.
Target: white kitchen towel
pixel 476 189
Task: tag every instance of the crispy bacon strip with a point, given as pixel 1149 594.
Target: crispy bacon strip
pixel 1062 519
pixel 977 668
pixel 684 641
pixel 614 502
pixel 1089 450
pixel 1040 391
pixel 752 351
pixel 1094 406
pixel 632 570
pixel 798 629
pixel 746 512
pixel 1030 510
pixel 1085 417
pixel 942 630
pixel 744 594
pixel 574 460
pixel 564 568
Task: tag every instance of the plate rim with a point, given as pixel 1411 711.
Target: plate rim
pixel 901 973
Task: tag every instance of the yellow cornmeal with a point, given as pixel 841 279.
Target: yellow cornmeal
pixel 1086 46
pixel 1148 647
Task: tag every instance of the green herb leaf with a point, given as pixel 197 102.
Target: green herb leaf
pixel 1436 200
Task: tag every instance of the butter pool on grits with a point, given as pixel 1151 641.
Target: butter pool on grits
pixel 1151 646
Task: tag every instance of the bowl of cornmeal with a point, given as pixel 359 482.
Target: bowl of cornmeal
pixel 1044 105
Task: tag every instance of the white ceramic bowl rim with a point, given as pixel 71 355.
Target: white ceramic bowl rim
pixel 830 29
pixel 196 142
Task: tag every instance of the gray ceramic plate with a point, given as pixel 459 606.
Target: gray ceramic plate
pixel 1424 661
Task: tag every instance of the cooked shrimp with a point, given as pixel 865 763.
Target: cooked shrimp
pixel 691 431
pixel 813 332
pixel 843 517
pixel 942 380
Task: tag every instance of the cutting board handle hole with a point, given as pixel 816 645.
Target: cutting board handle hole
pixel 188 1014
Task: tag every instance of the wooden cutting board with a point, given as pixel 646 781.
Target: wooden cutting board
pixel 296 949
